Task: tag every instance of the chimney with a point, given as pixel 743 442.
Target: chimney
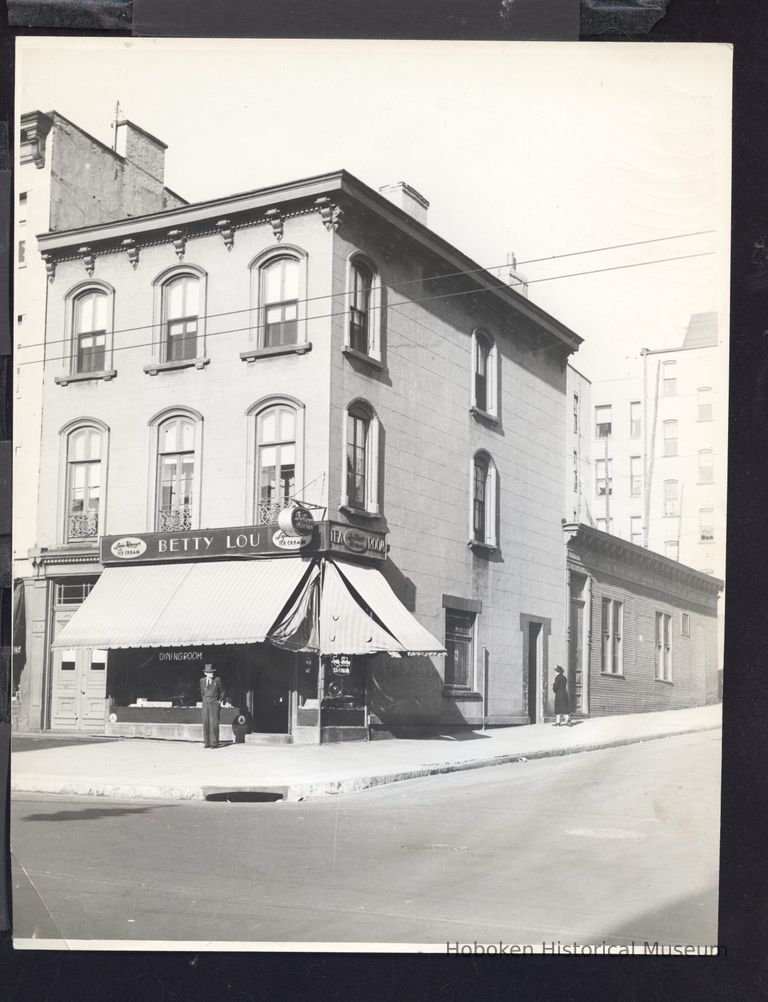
pixel 516 279
pixel 142 149
pixel 408 199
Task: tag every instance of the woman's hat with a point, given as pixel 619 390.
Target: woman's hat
pixel 559 668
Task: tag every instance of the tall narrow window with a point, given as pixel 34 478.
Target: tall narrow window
pixel 484 500
pixel 635 419
pixel 671 497
pixel 22 258
pixel 484 374
pixel 706 470
pixel 358 427
pixel 175 474
pixel 604 477
pixel 575 471
pixel 635 476
pixel 482 358
pixel 276 462
pixel 636 530
pixel 612 626
pixel 706 525
pixel 670 438
pixel 460 648
pixel 84 446
pixel 669 379
pixel 603 421
pixel 663 647
pixel 90 331
pixel 181 307
pixel 575 413
pixel 360 307
pixel 705 403
pixel 280 302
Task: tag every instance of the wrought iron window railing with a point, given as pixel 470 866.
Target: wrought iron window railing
pixel 84 525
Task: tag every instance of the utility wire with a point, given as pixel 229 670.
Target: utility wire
pixel 415 281
pixel 404 302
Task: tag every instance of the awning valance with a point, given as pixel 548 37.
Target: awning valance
pixel 167 605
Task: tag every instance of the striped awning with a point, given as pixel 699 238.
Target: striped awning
pixel 374 592
pixel 168 605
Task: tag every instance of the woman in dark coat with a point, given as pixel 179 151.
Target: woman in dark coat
pixel 562 701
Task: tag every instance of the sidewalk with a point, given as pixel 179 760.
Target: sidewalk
pixel 132 768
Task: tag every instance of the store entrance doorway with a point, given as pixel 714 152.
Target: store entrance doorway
pixel 271 695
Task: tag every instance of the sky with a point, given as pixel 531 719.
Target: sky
pixel 543 149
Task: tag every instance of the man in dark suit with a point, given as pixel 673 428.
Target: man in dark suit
pixel 211 694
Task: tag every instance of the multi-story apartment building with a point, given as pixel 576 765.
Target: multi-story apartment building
pixel 313 345
pixel 659 449
pixel 65 178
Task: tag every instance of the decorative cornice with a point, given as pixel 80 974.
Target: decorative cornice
pixel 331 213
pixel 277 221
pixel 179 239
pixel 132 249
pixel 227 231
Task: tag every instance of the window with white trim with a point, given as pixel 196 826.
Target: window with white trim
pixel 460 648
pixel 176 442
pixel 484 373
pixel 671 497
pixel 275 461
pixel 84 448
pixel 89 333
pixel 706 525
pixel 636 529
pixel 706 468
pixel 361 451
pixel 635 476
pixel 635 419
pixel 603 420
pixel 685 624
pixel 603 477
pixel 181 311
pixel 704 403
pixel 611 630
pixel 280 301
pixel 672 549
pixel 484 529
pixel 670 438
pixel 663 647
pixel 669 379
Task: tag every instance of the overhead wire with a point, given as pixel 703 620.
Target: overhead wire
pixel 414 281
pixel 405 302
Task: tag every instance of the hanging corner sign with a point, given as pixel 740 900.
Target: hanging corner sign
pixel 296 521
pixel 340 663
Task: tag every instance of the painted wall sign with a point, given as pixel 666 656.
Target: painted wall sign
pixel 242 541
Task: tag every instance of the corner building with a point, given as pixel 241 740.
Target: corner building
pixel 210 368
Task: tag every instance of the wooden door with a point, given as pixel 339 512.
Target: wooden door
pixel 78 684
pixel 576 656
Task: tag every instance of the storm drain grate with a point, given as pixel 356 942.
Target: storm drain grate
pixel 255 796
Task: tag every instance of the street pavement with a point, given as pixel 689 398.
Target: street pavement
pixel 608 847
pixel 135 768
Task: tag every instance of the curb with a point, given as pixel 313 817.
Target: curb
pixel 295 792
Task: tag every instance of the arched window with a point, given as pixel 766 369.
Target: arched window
pixel 363 334
pixel 176 461
pixel 84 448
pixel 361 486
pixel 89 319
pixel 484 374
pixel 280 301
pixel 484 501
pixel 275 461
pixel 181 312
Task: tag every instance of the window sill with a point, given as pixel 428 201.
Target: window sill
pixel 279 349
pixel 457 692
pixel 612 674
pixel 703 483
pixel 487 549
pixel 665 681
pixel 485 416
pixel 346 509
pixel 362 356
pixel 186 363
pixel 83 377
